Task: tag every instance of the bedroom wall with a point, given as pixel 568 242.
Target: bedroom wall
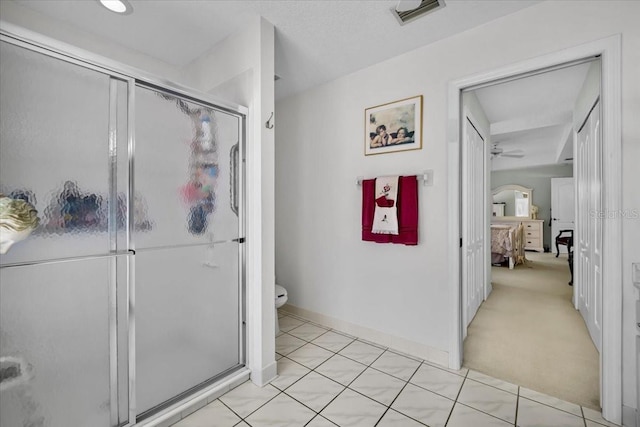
pixel 538 178
pixel 397 290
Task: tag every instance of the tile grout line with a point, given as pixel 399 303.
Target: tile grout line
pixel 229 408
pixel 318 373
pixel 423 362
pixel 352 381
pixel 555 407
pixel 387 407
pixel 400 392
pixel 324 418
pixel 406 382
pixel 261 406
pixel 318 413
pixel 467 405
pixel 515 422
pixel 455 401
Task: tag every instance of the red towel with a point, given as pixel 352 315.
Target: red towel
pixel 407 212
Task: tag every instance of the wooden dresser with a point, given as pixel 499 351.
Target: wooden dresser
pixel 533 231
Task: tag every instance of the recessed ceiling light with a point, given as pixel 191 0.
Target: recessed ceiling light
pixel 118 6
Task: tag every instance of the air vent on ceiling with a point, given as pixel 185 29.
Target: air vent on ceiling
pixel 426 6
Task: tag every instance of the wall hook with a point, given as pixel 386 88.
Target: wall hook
pixel 267 124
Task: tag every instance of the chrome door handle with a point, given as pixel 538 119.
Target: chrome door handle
pixel 233 159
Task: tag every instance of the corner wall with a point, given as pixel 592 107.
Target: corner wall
pixel 242 66
pixel 398 290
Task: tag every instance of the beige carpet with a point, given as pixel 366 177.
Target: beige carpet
pixel 528 333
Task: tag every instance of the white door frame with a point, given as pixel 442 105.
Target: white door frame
pixel 611 356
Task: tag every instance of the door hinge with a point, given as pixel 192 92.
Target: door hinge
pixel 461 242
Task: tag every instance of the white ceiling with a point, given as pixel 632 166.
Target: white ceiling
pixel 316 40
pixel 534 114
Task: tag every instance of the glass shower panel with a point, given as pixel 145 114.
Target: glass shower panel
pixel 54 345
pixel 186 165
pixel 54 152
pixel 187 262
pixel 187 319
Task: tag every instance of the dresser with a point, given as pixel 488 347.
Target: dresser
pixel 533 231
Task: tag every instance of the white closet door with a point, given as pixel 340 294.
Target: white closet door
pixel 588 261
pixel 562 208
pixel 473 156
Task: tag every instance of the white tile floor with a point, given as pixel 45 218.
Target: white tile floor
pixel 327 379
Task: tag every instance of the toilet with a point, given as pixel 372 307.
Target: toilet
pixel 281 299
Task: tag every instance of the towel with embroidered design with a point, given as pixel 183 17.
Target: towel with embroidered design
pixel 385 217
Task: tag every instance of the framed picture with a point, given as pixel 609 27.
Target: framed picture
pixel 392 127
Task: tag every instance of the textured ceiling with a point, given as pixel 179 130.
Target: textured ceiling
pixel 533 114
pixel 316 40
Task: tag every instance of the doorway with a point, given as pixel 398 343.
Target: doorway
pixel 609 49
pixel 528 320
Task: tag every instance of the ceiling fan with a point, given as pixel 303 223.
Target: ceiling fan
pixel 499 152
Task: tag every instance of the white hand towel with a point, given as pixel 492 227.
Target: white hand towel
pixel 385 217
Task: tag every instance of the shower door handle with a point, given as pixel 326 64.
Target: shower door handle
pixel 235 151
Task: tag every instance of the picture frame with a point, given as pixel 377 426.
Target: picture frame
pixel 393 127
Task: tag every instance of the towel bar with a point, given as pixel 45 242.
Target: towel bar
pixel 426 177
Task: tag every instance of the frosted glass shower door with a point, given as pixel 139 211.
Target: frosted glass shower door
pixel 187 239
pixel 63 341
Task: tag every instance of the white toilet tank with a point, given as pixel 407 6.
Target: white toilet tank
pixel 281 296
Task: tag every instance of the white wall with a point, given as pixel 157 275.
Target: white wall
pixel 242 66
pixel 401 290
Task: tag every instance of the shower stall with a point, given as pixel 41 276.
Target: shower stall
pixel 128 296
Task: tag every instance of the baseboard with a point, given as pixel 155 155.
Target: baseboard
pixel 266 375
pixel 411 348
pixel 630 417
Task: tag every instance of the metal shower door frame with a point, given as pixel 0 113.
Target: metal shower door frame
pixel 32 41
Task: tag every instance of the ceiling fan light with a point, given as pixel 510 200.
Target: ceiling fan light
pixel 118 6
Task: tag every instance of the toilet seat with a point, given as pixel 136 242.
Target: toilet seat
pixel 281 297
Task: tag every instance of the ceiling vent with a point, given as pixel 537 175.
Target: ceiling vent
pixel 405 15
